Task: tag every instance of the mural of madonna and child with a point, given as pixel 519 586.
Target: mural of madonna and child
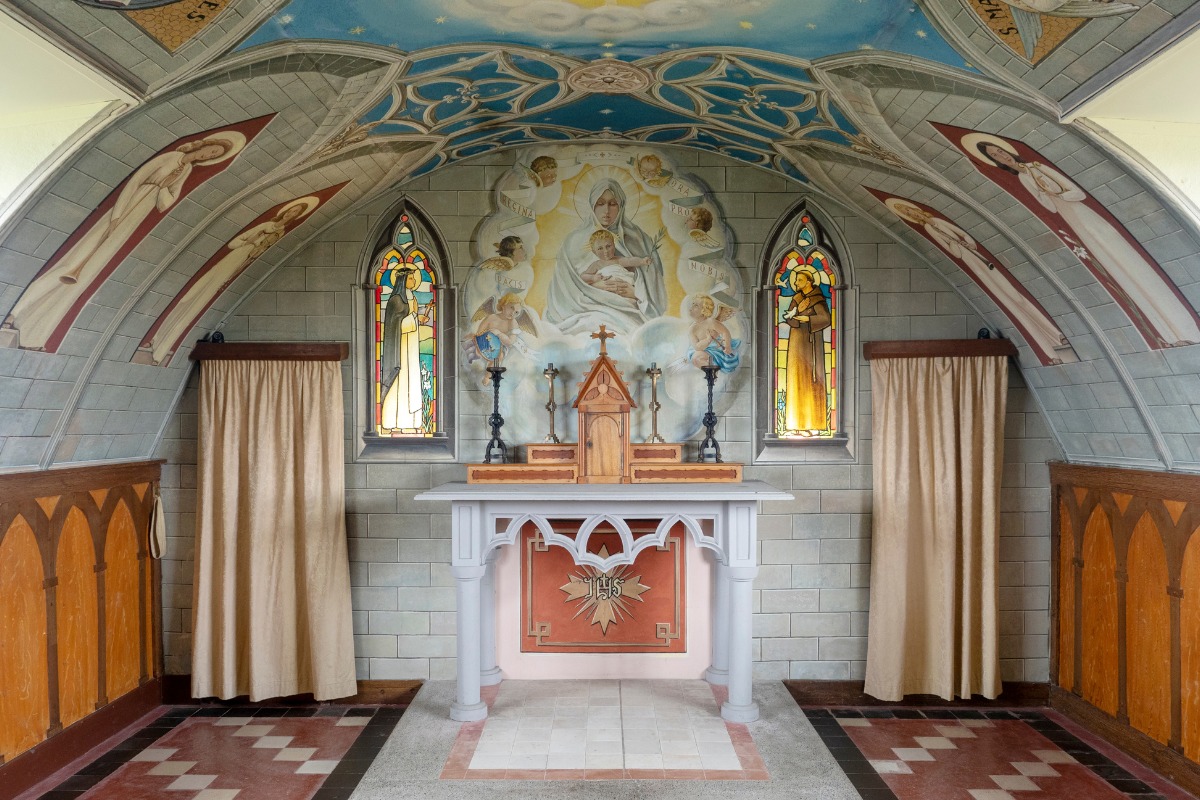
pixel 614 236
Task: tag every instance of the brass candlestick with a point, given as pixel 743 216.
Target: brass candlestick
pixel 655 373
pixel 551 373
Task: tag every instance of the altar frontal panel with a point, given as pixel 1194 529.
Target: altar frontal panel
pixel 632 608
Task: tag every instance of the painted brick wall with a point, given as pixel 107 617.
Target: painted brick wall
pixel 811 596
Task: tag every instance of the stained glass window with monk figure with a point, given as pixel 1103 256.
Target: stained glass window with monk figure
pixel 806 365
pixel 405 309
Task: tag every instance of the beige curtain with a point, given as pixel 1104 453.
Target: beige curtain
pixel 272 580
pixel 938 440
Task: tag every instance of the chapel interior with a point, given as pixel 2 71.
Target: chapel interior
pixel 454 398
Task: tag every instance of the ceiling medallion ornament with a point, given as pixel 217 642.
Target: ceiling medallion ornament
pixel 608 76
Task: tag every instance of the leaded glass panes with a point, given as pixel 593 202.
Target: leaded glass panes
pixel 405 308
pixel 805 338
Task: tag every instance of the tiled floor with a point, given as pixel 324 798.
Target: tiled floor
pixel 254 753
pixel 938 754
pixel 568 730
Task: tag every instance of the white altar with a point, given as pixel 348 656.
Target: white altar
pixel 721 517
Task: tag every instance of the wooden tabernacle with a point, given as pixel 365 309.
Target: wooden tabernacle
pixel 606 455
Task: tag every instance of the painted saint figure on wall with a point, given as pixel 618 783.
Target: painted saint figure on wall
pixel 1153 302
pixel 574 304
pixel 239 253
pixel 1036 326
pixel 806 407
pixel 50 304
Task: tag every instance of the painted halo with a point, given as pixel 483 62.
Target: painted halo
pixel 236 139
pixel 818 276
pixel 971 142
pixel 903 209
pixel 308 203
pixel 583 189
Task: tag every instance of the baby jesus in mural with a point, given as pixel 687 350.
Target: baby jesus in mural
pixel 610 272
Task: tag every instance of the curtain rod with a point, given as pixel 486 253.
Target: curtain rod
pixel 270 351
pixel 928 348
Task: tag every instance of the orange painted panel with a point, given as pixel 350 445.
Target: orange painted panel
pixel 1098 639
pixel 1148 634
pixel 1189 634
pixel 122 607
pixel 78 623
pixel 1066 601
pixel 24 683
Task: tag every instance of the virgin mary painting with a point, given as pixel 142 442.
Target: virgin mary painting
pixel 578 306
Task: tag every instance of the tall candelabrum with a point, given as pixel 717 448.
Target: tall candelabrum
pixel 710 449
pixel 654 372
pixel 495 420
pixel 551 373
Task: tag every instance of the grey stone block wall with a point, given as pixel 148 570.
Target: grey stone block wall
pixel 811 597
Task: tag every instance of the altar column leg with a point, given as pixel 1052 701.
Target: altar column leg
pixel 741 706
pixel 489 670
pixel 467 705
pixel 718 673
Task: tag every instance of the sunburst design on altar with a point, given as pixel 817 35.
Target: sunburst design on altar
pixel 606 594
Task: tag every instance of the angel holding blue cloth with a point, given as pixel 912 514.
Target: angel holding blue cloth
pixel 711 342
pixel 501 323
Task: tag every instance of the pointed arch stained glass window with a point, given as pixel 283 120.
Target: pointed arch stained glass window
pixel 405 308
pixel 806 363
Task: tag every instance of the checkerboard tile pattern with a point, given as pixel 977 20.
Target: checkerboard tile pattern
pixel 931 754
pixel 571 730
pixel 255 753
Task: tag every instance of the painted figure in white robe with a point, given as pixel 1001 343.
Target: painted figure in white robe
pixel 403 397
pixel 244 250
pixel 1143 285
pixel 1030 318
pixel 155 186
pixel 576 306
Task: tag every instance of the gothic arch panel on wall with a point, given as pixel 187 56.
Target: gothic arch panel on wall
pixel 407 340
pixel 806 357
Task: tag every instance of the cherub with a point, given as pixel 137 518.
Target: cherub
pixel 546 170
pixel 608 267
pixel 501 323
pixel 699 223
pixel 510 251
pixel 650 168
pixel 711 341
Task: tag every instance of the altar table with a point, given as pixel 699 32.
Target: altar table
pixel 721 517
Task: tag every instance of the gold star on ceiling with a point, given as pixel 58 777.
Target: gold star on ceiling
pixel 745 24
pixel 358 29
pixel 440 20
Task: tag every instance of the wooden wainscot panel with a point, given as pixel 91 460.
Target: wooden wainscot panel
pixel 521 473
pixel 1189 635
pixel 77 622
pixel 687 473
pixel 655 453
pixel 1126 611
pixel 1148 634
pixel 550 453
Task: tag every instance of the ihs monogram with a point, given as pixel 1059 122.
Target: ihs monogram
pixel 606 594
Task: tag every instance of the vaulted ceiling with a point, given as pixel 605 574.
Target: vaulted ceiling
pixel 854 100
